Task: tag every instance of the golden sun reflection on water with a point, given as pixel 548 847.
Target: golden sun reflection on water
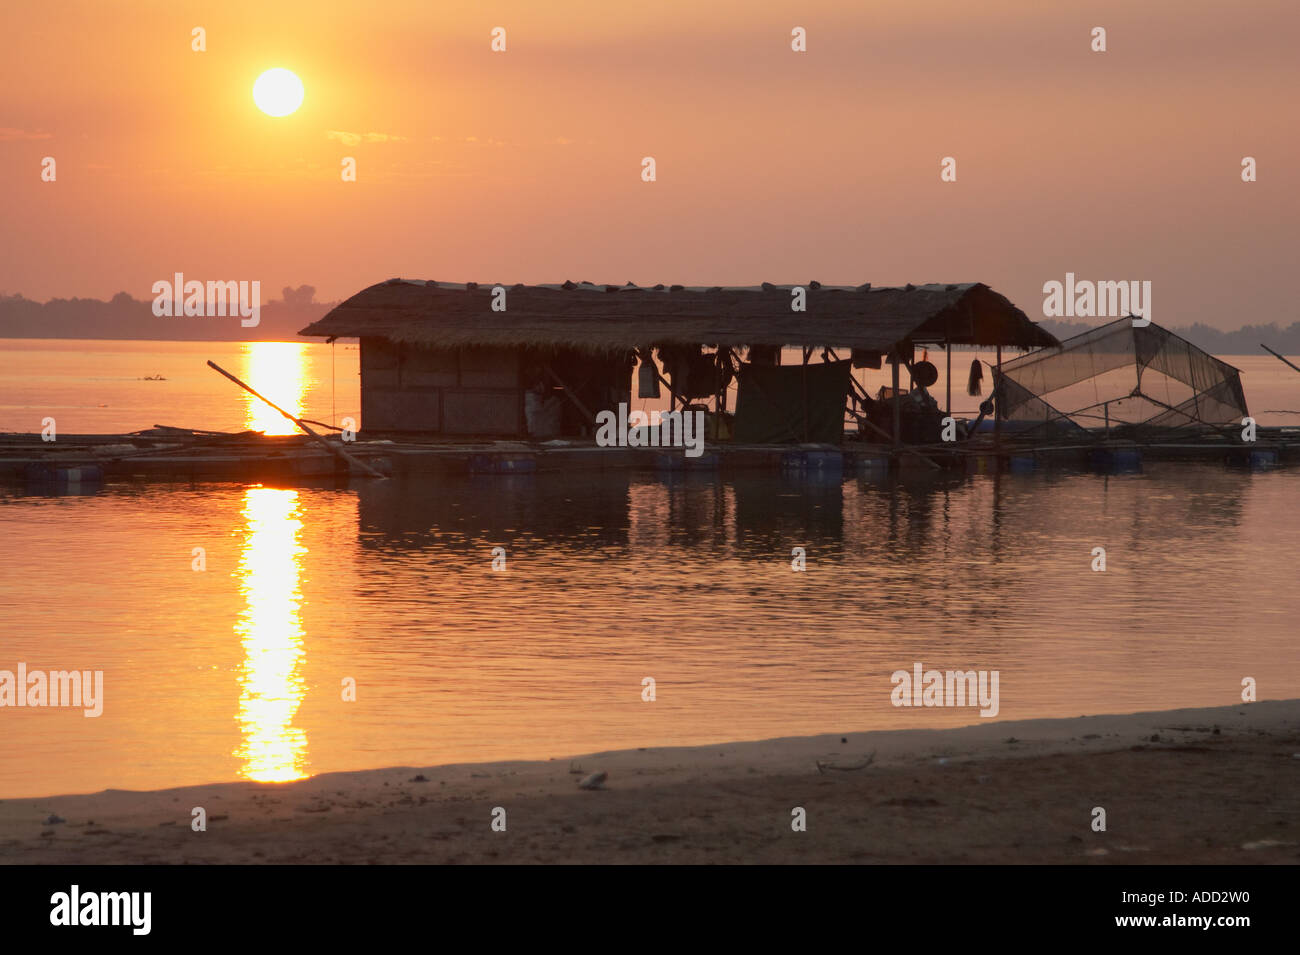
pixel 270 629
pixel 279 371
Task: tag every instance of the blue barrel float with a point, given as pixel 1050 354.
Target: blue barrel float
pixel 1253 458
pixel 676 460
pixel 1116 460
pixel 821 462
pixel 74 480
pixel 502 464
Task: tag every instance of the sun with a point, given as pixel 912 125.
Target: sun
pixel 278 92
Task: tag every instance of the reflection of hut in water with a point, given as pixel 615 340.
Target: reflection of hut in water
pixel 773 514
pixel 579 511
pixel 543 361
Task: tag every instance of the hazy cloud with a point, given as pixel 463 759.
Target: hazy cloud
pixel 10 134
pixel 354 139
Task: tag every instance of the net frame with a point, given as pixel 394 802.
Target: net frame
pixel 1026 384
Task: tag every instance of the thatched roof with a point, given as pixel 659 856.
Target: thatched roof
pixel 613 317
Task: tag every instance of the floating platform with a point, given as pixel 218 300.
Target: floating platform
pixel 174 455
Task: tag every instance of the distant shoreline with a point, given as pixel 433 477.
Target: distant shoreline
pixel 289 340
pixel 1206 785
pixel 296 340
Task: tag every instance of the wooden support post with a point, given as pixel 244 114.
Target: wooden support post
pixel 898 418
pixel 997 405
pixel 720 404
pixel 947 348
pixel 807 353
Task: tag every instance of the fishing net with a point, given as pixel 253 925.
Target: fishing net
pixel 1121 378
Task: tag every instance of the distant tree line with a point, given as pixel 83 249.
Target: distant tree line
pixel 1243 341
pixel 125 317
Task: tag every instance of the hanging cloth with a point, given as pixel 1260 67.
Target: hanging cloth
pixel 647 377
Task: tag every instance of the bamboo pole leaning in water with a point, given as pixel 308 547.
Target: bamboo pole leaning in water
pixel 357 462
pixel 1276 355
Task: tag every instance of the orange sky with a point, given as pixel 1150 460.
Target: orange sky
pixel 772 165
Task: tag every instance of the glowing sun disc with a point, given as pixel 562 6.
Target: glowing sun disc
pixel 278 92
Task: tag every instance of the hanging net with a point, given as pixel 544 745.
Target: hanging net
pixel 1124 380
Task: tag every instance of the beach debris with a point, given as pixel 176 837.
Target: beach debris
pixel 575 769
pixel 983 779
pixel 1011 739
pixel 1096 852
pixel 53 820
pixel 912 802
pixel 1266 844
pixel 822 767
pixel 844 739
pixel 594 781
pixel 1155 738
pixel 419 778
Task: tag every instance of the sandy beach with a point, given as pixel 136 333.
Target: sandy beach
pixel 1185 786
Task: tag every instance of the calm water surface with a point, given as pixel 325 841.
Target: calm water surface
pixel 237 671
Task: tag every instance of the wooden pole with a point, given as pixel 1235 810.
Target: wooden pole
pixel 356 462
pixel 898 419
pixel 997 405
pixel 586 413
pixel 947 348
pixel 1276 355
pixel 721 396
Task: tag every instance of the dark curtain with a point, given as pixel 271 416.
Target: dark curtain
pixel 792 403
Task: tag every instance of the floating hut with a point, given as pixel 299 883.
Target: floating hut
pixel 533 362
pixel 494 379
